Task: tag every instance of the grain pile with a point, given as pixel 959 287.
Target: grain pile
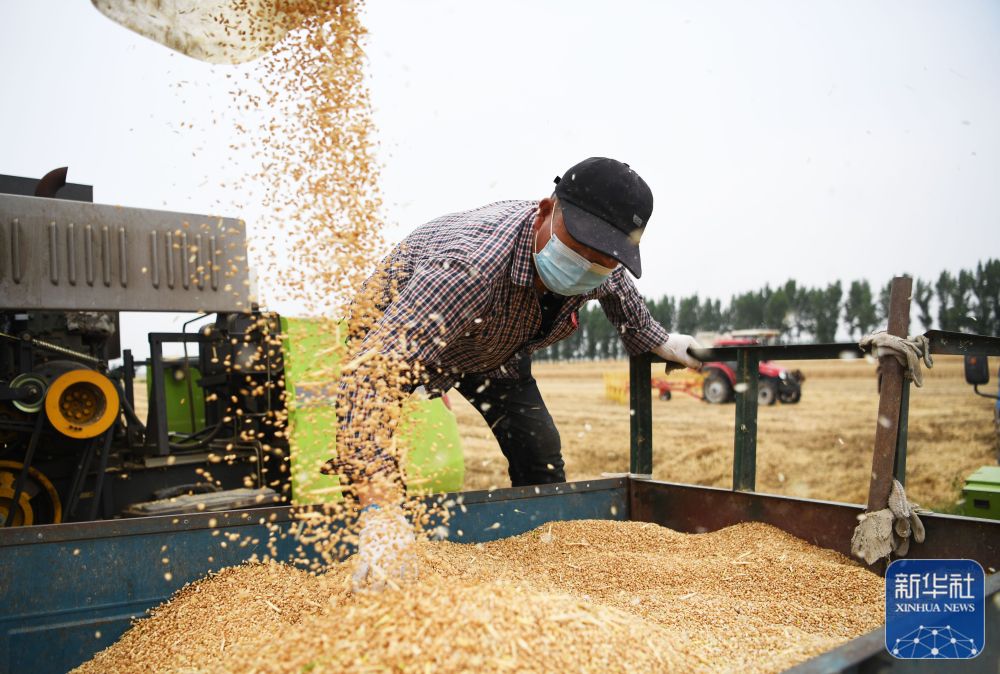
pixel 595 596
pixel 745 598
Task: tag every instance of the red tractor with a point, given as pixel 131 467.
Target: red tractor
pixel 776 382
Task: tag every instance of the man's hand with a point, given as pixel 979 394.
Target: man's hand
pixel 386 549
pixel 675 352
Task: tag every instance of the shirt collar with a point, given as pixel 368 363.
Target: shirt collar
pixel 522 270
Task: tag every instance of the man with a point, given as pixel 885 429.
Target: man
pixel 463 302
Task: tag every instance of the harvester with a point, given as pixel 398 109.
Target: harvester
pixel 215 438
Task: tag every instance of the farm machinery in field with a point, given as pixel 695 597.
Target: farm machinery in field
pixel 776 382
pixel 717 382
pixel 71 587
pixel 72 445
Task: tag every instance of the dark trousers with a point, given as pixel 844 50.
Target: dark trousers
pixel 516 414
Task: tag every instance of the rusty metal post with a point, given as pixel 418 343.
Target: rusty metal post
pixel 890 398
pixel 745 443
pixel 899 468
pixel 641 404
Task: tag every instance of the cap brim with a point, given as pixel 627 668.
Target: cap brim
pixel 602 236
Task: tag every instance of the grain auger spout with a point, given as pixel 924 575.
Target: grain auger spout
pixel 215 31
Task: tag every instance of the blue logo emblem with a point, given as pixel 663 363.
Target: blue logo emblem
pixel 935 608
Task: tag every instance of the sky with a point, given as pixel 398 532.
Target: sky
pixel 784 139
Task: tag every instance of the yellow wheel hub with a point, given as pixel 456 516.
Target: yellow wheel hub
pixel 81 403
pixel 23 513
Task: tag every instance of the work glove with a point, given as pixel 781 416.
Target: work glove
pixel 675 352
pixel 887 531
pixel 906 523
pixel 386 549
pixel 907 351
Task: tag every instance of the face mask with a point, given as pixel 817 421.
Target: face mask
pixel 564 271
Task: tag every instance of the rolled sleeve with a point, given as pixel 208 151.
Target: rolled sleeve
pixel 627 311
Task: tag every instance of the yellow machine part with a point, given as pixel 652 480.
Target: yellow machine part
pixel 23 513
pixel 82 403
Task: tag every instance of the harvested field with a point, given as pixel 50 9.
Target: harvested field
pixel 820 448
pixel 595 596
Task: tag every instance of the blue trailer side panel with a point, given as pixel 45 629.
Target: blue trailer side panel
pixel 70 590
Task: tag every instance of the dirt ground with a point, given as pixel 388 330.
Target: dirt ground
pixel 820 448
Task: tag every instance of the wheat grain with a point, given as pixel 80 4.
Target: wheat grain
pixel 638 597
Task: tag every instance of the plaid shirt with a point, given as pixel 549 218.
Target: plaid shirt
pixel 459 293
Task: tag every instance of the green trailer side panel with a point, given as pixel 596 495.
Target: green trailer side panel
pixel 434 463
pixel 981 493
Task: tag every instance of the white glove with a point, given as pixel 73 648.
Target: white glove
pixel 386 549
pixel 675 350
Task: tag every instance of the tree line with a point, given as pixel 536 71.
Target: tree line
pixel 967 301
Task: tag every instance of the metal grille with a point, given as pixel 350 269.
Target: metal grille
pixel 57 254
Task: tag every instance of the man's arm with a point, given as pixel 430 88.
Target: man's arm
pixel 625 308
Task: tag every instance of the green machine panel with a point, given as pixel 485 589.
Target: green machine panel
pixel 982 493
pixel 434 462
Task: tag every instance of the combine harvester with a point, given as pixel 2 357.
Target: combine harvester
pixel 74 447
pixel 62 584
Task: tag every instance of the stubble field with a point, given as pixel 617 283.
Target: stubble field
pixel 819 448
